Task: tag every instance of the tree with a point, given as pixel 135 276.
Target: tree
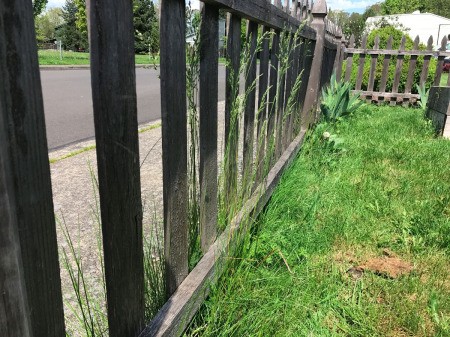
pixel 81 17
pixel 390 7
pixel 72 38
pixel 38 6
pixel 47 23
pixel 146 27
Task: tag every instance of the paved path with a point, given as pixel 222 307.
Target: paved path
pixel 68 102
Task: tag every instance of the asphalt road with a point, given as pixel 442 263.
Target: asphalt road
pixel 68 103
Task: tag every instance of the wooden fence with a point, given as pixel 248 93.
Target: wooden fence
pixel 372 81
pixel 29 270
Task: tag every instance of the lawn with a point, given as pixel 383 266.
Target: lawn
pixel 52 57
pixel 354 242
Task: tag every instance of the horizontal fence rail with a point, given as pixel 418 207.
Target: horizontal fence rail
pixel 265 121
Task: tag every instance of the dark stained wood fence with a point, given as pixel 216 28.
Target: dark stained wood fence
pixel 393 68
pixel 29 270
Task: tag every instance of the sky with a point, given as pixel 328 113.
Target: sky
pixel 345 5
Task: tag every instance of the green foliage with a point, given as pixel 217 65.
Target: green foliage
pixel 38 6
pixel 46 24
pixel 439 7
pixel 81 18
pixel 337 101
pixel 146 27
pixel 423 96
pixel 70 35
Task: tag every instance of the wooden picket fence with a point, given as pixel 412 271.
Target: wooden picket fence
pixel 29 268
pixel 376 88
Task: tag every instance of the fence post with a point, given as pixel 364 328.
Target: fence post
pixel 25 187
pixel 319 12
pixel 340 44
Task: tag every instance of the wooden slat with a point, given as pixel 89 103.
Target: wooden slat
pixel 272 107
pixel 386 61
pixel 231 93
pixel 209 74
pixel 349 65
pixel 249 113
pixel 426 63
pixel 289 83
pixel 362 59
pixel 174 140
pixel 115 117
pixel 26 186
pixel 262 100
pixel 440 62
pixel 412 67
pixel 280 106
pixel 14 310
pixel 294 110
pixel 175 315
pixel 263 12
pixel 339 57
pixel 398 68
pixel 373 65
pixel 308 51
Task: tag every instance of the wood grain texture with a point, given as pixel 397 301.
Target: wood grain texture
pixel 373 65
pixel 384 73
pixel 209 74
pixel 263 96
pixel 399 66
pixel 426 63
pixel 349 57
pixel 272 106
pixel 174 139
pixel 412 67
pixel 115 117
pixel 440 62
pixel 176 314
pixel 249 111
pixel 26 190
pixel 263 12
pixel 362 59
pixel 231 93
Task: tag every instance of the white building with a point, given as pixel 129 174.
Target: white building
pixel 419 24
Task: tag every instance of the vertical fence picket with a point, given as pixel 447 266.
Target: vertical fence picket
pixel 209 73
pixel 262 101
pixel 231 93
pixel 426 63
pixel 440 62
pixel 398 69
pixel 272 107
pixel 280 105
pixel 115 116
pixel 289 83
pixel 412 67
pixel 385 71
pixel 373 65
pixel 349 64
pixel 249 113
pixel 25 186
pixel 340 40
pixel 362 59
pixel 174 140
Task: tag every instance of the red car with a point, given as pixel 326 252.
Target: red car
pixel 446 65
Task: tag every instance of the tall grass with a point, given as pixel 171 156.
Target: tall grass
pixel 381 189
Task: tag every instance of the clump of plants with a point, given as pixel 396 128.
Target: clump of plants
pixel 338 101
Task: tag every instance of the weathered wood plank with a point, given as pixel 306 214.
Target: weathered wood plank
pixel 231 93
pixel 263 12
pixel 349 56
pixel 115 118
pixel 412 67
pixel 386 61
pixel 440 62
pixel 280 102
pixel 178 311
pixel 26 187
pixel 174 139
pixel 395 52
pixel 426 63
pixel 209 74
pixel 373 65
pixel 249 113
pixel 362 59
pixel 262 101
pixel 287 93
pixel 398 68
pixel 272 106
pixel 14 310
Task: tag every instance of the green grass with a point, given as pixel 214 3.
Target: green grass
pixel 381 184
pixel 52 57
pixel 444 79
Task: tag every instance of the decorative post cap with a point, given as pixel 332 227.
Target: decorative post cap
pixel 319 8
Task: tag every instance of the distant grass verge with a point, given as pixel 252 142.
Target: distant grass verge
pixel 372 188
